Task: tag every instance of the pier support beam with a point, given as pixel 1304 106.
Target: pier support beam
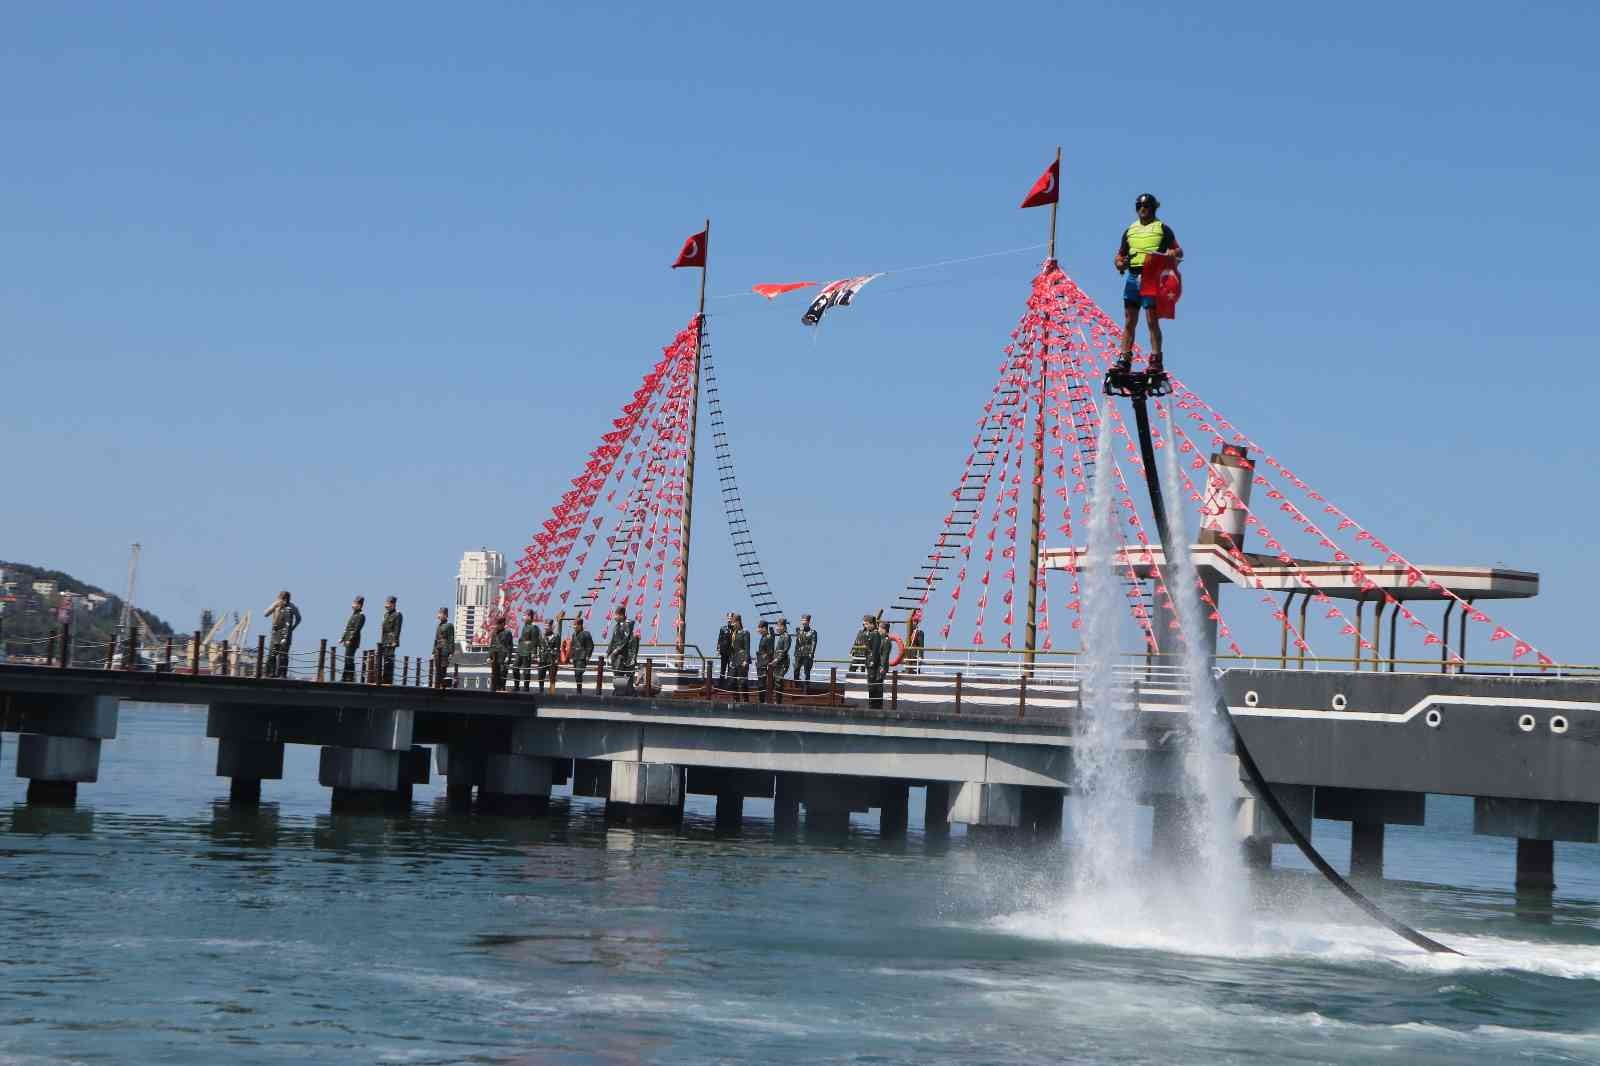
pixel 786 805
pixel 980 803
pixel 645 793
pixel 55 766
pixel 894 810
pixel 248 763
pixel 362 779
pixel 1536 824
pixel 515 784
pixel 1258 828
pixel 936 811
pixel 730 812
pixel 1368 810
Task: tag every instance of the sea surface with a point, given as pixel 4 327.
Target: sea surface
pixel 154 924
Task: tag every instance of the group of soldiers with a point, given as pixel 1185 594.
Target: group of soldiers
pixel 543 648
pixel 872 652
pixel 775 649
pixel 285 618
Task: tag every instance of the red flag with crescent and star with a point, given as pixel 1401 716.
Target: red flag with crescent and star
pixel 1047 190
pixel 694 252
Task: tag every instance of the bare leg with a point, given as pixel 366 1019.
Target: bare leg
pixel 1155 332
pixel 1130 326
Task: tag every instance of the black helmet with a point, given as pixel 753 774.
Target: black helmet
pixel 1147 198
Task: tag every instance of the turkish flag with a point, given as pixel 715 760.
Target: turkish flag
pixel 1162 280
pixel 694 251
pixel 1047 190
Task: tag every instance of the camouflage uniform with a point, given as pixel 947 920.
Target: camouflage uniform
pixel 388 641
pixel 622 649
pixel 530 648
pixel 444 645
pixel 549 656
pixel 285 620
pixel 582 649
pixel 782 643
pixel 805 651
pixel 501 650
pixel 766 648
pixel 738 657
pixel 351 641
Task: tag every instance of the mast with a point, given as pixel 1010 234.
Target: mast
pixel 688 466
pixel 133 578
pixel 1030 633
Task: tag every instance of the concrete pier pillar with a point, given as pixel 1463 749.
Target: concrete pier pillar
pixel 362 779
pixel 936 811
pixel 248 763
pixel 894 811
pixel 1536 865
pixel 827 821
pixel 1366 849
pixel 1041 813
pixel 1257 854
pixel 515 784
pixel 55 766
pixel 645 793
pixel 786 805
pixel 980 803
pixel 730 812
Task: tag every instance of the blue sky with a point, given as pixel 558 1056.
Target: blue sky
pixel 322 296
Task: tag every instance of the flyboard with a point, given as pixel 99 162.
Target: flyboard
pixel 1137 386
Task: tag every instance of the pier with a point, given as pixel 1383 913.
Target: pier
pixel 992 753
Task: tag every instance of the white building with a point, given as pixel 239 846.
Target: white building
pixel 44 588
pixel 477 591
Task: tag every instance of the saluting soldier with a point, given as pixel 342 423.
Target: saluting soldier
pixel 805 648
pixel 389 639
pixel 530 645
pixel 724 647
pixel 782 645
pixel 765 651
pixel 549 655
pixel 501 649
pixel 444 645
pixel 285 620
pixel 352 637
pixel 582 649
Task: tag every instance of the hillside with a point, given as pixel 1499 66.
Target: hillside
pixel 30 614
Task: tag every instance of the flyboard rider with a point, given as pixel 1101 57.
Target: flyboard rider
pixel 1147 234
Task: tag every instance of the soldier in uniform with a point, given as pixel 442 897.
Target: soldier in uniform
pixel 389 640
pixel 444 644
pixel 765 651
pixel 914 644
pixel 501 649
pixel 877 649
pixel 582 649
pixel 530 645
pixel 352 637
pixel 738 653
pixel 549 656
pixel 782 645
pixel 805 648
pixel 724 647
pixel 622 648
pixel 866 639
pixel 285 619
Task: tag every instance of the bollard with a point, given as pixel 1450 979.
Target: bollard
pixel 708 680
pixel 261 653
pixel 894 689
pixel 322 654
pixel 50 648
pixel 224 658
pixel 599 673
pixel 194 655
pixel 66 645
pixel 111 651
pixel 169 653
pixel 958 691
pixel 1022 697
pixel 456 675
pixel 130 654
pixel 833 685
pixel 649 675
pixel 405 670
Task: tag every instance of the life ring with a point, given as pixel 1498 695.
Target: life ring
pixel 899 651
pixel 566 651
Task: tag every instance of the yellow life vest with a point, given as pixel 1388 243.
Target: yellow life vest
pixel 1142 240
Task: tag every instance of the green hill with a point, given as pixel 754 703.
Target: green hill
pixel 30 614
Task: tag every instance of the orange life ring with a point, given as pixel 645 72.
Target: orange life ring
pixel 566 651
pixel 899 653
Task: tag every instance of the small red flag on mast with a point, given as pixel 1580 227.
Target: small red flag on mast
pixel 694 251
pixel 1047 190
